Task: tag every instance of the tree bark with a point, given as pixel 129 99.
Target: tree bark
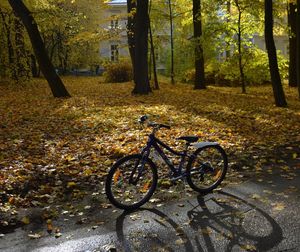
pixel 273 64
pixel 298 46
pixel 56 85
pixel 240 56
pixel 21 64
pixel 171 42
pixel 228 53
pixel 156 86
pixel 10 50
pixel 131 7
pixel 34 68
pixel 292 24
pixel 142 85
pixel 199 58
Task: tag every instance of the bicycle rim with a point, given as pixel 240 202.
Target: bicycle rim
pixel 207 169
pixel 131 182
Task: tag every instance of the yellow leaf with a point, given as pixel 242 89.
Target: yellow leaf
pixel 71 184
pixel 87 172
pixel 255 196
pixel 145 187
pixel 107 162
pixel 11 200
pixel 34 236
pixel 279 207
pixel 294 155
pixel 117 175
pixel 218 174
pixel 26 220
pixel 249 247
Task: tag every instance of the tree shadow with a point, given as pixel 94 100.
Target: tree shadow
pixel 221 222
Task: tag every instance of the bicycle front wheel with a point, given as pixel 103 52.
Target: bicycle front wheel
pixel 131 182
pixel 207 168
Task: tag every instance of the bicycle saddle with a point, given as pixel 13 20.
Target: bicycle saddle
pixel 190 139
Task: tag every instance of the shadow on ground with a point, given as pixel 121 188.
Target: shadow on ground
pixel 223 222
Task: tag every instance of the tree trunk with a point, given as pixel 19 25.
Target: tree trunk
pixel 199 59
pixel 172 42
pixel 21 63
pixel 57 87
pixel 156 86
pixel 298 45
pixel 228 5
pixel 292 24
pixel 10 50
pixel 242 75
pixel 142 85
pixel 34 68
pixel 273 64
pixel 131 5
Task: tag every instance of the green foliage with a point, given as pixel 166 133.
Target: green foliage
pixel 15 49
pixel 118 72
pixel 256 69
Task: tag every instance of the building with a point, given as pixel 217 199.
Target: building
pixel 115 46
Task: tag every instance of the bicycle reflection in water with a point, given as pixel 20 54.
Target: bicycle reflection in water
pixel 219 222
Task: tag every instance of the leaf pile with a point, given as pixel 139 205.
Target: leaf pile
pixel 54 149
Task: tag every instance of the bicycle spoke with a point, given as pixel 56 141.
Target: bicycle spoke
pixel 208 168
pixel 131 182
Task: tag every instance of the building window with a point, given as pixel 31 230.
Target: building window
pixel 114 52
pixel 114 22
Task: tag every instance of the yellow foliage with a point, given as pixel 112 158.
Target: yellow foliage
pixel 42 137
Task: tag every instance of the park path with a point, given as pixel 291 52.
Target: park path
pixel 261 214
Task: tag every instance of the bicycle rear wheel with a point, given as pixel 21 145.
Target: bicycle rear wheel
pixel 131 182
pixel 207 168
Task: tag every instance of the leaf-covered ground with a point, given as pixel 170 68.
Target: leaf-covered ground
pixel 58 149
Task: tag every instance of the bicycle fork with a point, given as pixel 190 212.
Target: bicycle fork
pixel 139 167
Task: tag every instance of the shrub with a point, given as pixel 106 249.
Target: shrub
pixel 256 68
pixel 118 72
pixel 226 73
pixel 188 76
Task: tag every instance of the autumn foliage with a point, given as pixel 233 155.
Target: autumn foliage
pixel 50 148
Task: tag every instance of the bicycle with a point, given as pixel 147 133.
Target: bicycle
pixel 132 180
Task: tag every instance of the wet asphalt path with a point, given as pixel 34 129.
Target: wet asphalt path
pixel 262 214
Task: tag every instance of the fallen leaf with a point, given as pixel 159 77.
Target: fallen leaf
pixel 25 220
pixel 35 236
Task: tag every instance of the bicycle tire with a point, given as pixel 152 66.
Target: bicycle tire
pixel 193 180
pixel 110 182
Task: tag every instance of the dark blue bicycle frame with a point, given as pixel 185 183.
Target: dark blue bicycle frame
pixel 155 143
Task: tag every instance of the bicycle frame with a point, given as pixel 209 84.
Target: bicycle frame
pixel 156 143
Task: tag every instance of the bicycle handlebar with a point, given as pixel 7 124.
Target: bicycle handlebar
pixel 144 118
pixel 159 125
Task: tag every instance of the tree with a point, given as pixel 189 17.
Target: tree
pixel 171 41
pixel 56 85
pixel 271 49
pixel 240 9
pixel 14 55
pixel 292 24
pixel 131 9
pixel 199 58
pixel 152 53
pixel 152 57
pixel 140 69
